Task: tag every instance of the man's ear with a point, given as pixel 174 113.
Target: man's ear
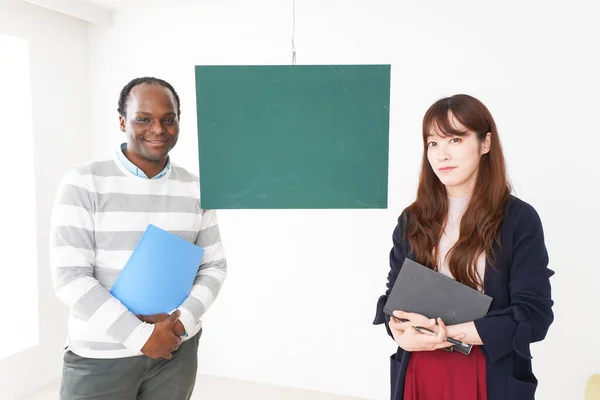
pixel 122 123
pixel 486 144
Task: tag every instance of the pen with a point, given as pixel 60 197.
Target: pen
pixel 464 348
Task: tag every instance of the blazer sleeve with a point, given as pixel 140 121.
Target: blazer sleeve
pixel 529 315
pixel 397 256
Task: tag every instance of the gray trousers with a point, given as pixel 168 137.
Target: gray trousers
pixel 131 378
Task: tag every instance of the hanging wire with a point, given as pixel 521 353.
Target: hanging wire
pixel 294 33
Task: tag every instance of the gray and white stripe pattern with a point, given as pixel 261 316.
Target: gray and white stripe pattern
pixel 100 213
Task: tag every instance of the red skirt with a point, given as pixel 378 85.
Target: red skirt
pixel 444 375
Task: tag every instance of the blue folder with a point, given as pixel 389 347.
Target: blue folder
pixel 159 275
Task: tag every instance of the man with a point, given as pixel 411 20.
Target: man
pixel 101 211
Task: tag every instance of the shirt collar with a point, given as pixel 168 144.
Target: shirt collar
pixel 131 167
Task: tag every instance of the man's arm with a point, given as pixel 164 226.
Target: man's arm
pixel 72 249
pixel 211 273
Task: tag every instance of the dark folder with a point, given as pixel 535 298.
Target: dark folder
pixel 422 290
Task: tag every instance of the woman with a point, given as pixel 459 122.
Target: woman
pixel 466 224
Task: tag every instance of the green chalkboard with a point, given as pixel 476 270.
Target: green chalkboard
pixel 295 137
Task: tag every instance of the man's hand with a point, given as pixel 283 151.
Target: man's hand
pixel 163 340
pixel 178 328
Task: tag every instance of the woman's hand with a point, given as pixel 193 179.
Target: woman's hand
pixel 410 340
pixel 413 319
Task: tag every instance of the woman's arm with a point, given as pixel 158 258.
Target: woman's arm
pixel 410 340
pixel 470 331
pixel 529 315
pixel 397 257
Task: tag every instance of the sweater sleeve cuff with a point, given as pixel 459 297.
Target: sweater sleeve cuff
pixel 139 337
pixel 188 321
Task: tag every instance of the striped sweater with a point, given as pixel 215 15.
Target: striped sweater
pixel 100 213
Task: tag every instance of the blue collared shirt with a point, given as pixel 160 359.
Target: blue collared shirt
pixel 131 167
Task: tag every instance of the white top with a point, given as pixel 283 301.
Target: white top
pixel 456 209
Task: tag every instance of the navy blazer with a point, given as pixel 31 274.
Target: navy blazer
pixel 521 309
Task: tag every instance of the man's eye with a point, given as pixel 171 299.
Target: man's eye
pixel 142 119
pixel 171 121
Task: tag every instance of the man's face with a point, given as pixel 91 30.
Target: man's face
pixel 151 124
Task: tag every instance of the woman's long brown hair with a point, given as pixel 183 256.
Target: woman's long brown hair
pixel 481 222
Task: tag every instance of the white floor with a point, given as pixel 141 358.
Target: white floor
pixel 213 388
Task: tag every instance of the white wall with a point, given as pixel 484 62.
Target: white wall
pixel 298 304
pixel 60 107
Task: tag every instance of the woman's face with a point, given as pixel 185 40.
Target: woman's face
pixel 455 159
